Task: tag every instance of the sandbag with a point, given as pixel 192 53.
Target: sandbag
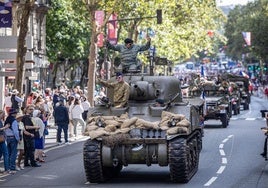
pixel 112 122
pixel 176 130
pixel 129 122
pixel 110 128
pixel 142 124
pixel 183 123
pixel 97 133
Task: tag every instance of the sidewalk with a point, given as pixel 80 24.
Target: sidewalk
pixel 51 138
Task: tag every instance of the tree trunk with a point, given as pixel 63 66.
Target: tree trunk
pixel 92 60
pixel 21 43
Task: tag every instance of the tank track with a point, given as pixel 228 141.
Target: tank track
pixel 95 172
pixel 92 161
pixel 183 158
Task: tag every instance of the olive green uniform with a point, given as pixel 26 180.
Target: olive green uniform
pixel 121 92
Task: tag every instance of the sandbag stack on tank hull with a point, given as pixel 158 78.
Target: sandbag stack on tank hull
pixel 100 126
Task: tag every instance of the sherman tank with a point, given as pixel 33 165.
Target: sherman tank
pixel 142 133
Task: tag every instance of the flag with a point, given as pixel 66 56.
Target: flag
pixel 247 37
pixel 242 73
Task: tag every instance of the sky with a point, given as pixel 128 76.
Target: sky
pixel 232 2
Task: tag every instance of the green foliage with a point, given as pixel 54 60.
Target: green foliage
pixel 68 31
pixel 182 34
pixel 253 18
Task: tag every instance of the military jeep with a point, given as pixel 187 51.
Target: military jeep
pixel 217 104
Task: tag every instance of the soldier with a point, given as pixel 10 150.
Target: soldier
pixel 129 52
pixel 121 90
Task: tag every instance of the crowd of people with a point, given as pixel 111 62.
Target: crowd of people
pixel 24 124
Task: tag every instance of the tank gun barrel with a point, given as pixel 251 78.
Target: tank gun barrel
pixel 139 91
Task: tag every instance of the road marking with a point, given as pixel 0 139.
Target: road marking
pixel 221 169
pixel 210 181
pixel 224 160
pixel 222 152
pixel 250 119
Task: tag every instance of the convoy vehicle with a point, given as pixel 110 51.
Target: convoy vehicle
pixel 243 85
pixel 142 133
pixel 217 104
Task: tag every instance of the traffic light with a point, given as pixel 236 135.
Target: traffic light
pixel 250 68
pixel 159 16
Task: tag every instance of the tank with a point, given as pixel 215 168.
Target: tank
pixel 142 133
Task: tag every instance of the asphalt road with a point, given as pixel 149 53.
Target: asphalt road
pixel 230 158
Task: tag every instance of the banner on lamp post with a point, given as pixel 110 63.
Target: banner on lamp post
pixel 112 29
pixel 99 18
pixel 5 14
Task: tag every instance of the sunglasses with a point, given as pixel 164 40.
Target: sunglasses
pixel 118 77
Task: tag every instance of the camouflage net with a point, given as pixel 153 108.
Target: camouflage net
pixel 113 129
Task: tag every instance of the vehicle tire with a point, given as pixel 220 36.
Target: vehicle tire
pixel 183 162
pixel 92 161
pixel 224 120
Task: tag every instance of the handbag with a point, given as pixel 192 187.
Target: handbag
pixel 46 131
pixel 2 138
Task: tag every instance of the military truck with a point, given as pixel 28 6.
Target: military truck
pixel 217 104
pixel 142 133
pixel 242 83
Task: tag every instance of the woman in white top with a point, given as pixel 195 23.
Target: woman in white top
pixel 86 105
pixel 76 114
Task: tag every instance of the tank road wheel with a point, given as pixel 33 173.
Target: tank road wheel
pixel 182 162
pixel 224 120
pixel 92 161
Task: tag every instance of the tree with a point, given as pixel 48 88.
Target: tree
pixel 249 18
pixel 67 35
pixel 23 15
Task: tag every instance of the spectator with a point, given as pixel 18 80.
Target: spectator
pixel 61 120
pixel 69 106
pixel 3 146
pixel 38 140
pixel 20 147
pixel 28 137
pixel 16 100
pixel 7 102
pixel 86 105
pixel 76 113
pixel 13 138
